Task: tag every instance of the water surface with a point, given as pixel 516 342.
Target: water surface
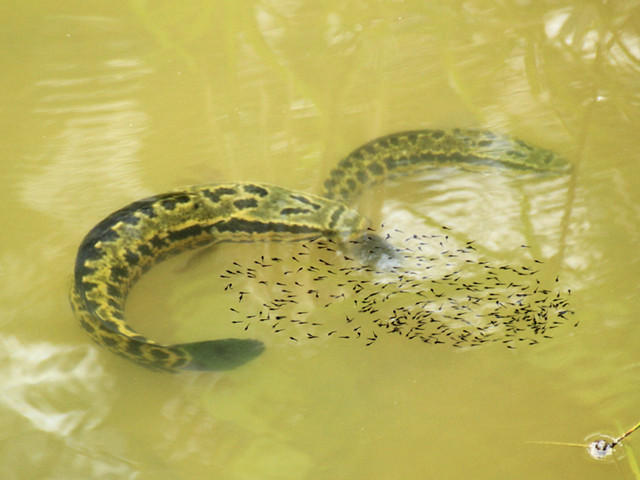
pixel 108 104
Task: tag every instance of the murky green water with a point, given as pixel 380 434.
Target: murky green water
pixel 107 104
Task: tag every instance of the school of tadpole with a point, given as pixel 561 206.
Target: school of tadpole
pixel 431 289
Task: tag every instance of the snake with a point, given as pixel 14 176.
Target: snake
pixel 116 252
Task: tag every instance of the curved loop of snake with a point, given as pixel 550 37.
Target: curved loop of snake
pixel 119 249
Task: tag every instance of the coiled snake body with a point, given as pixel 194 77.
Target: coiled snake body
pixel 119 249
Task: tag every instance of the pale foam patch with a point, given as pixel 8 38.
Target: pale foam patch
pixel 52 386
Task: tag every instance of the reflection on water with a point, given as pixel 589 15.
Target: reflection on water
pixel 53 388
pixel 107 104
pixel 585 30
pixel 51 385
pixel 94 122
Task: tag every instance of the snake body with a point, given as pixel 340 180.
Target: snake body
pixel 119 249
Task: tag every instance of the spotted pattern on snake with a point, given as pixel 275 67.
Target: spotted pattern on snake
pixel 119 249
